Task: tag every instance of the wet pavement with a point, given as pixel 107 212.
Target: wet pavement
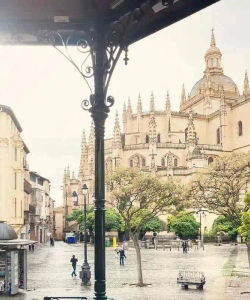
pixel 225 267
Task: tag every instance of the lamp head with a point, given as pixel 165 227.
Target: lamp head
pixel 84 189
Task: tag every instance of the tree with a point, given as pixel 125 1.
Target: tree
pixel 218 189
pixel 223 224
pixel 139 198
pixel 113 220
pixel 244 229
pixel 184 225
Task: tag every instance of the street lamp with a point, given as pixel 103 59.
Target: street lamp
pixel 85 274
pixel 201 212
pixel 75 198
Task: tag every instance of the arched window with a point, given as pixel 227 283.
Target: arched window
pixel 158 138
pixel 163 162
pixel 240 132
pixel 186 134
pixel 175 162
pixel 143 162
pixel 218 135
pixel 147 139
pixel 210 160
pixel 131 163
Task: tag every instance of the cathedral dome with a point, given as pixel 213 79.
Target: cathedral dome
pixel 214 77
pixel 217 80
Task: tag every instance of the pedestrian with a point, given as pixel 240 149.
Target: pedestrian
pixel 186 246
pixel 122 255
pixel 29 247
pixel 73 261
pixel 51 242
pixel 33 247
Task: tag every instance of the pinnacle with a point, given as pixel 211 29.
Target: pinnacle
pixel 152 102
pixel 139 104
pixel 129 106
pixel 168 103
pixel 212 42
pixel 183 94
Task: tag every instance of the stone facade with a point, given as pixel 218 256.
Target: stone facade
pixel 213 119
pixel 13 153
pixel 20 189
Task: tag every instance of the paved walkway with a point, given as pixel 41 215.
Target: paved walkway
pixel 225 268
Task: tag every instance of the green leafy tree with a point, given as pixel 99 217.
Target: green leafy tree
pixel 139 198
pixel 244 229
pixel 184 225
pixel 223 224
pixel 113 220
pixel 219 188
pixel 154 224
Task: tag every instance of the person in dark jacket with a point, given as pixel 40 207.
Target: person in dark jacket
pixel 73 261
pixel 122 255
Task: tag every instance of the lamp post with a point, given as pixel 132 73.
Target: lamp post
pixel 201 212
pixel 85 274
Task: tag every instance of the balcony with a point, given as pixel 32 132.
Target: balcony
pixel 210 147
pixel 171 145
pixel 136 146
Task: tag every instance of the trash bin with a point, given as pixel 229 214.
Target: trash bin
pixel 71 240
pixel 107 243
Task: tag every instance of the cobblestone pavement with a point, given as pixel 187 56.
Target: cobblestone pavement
pixel 225 267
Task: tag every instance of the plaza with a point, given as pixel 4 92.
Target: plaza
pixel 225 267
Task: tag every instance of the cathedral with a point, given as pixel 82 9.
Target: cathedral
pixel 213 119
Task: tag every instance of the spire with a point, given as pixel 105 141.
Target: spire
pixel 129 110
pixel 64 175
pixel 68 172
pixel 246 85
pixel 84 155
pixel 191 133
pixel 117 142
pixel 124 108
pixel 139 105
pixel 212 42
pixel 92 136
pixel 183 95
pixel 168 103
pixel 152 102
pixel 213 57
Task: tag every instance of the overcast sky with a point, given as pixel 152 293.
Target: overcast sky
pixel 45 91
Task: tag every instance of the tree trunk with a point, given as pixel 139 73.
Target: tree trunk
pixel 248 252
pixel 138 259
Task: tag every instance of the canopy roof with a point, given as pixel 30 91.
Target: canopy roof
pixel 22 20
pixel 7 232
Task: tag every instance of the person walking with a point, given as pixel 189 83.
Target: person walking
pixel 73 261
pixel 184 246
pixel 122 255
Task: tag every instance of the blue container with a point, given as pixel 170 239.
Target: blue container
pixel 71 240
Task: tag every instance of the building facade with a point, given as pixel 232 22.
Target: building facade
pixel 13 153
pixel 213 119
pixel 41 209
pixel 25 200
